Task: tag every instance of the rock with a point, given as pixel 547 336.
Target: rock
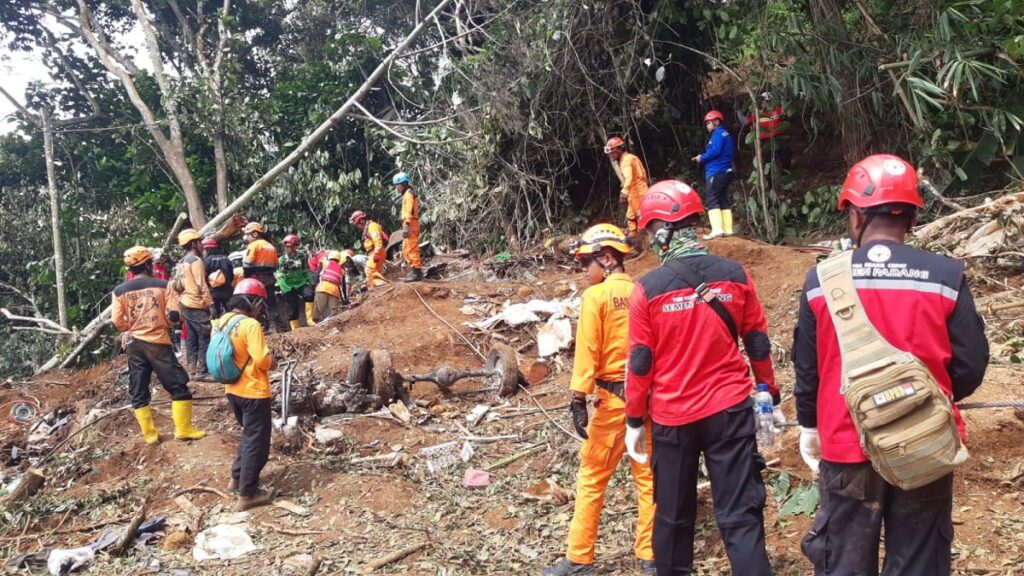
pixel 524 292
pixel 563 290
pixel 326 435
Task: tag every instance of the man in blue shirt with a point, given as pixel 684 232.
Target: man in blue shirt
pixel 717 161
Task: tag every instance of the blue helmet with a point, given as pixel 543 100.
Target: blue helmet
pixel 400 178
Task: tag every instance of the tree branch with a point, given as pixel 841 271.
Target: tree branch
pixel 401 136
pixel 54 328
pixel 34 118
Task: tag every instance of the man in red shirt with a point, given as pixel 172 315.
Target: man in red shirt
pixel 920 303
pixel 686 318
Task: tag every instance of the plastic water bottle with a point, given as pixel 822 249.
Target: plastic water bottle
pixel 765 418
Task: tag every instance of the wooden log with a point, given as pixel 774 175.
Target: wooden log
pixel 395 556
pixel 125 543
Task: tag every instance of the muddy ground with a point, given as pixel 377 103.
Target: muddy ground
pixel 349 512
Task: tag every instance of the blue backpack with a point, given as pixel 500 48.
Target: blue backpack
pixel 220 355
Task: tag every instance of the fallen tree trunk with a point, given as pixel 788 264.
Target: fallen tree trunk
pixel 94 328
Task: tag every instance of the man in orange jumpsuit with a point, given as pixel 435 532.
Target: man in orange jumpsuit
pixel 410 226
pixel 375 242
pixel 634 185
pixel 601 345
pixel 260 262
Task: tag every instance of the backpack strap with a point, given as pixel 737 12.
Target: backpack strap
pixel 696 280
pixel 861 346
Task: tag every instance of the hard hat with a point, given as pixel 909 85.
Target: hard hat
pixel 253 227
pixel 334 255
pixel 766 95
pixel 157 253
pixel 669 200
pixel 291 240
pixel 187 235
pixel 400 178
pixel 602 236
pixel 356 217
pixel 714 115
pixel 250 287
pixel 350 252
pixel 879 180
pixel 613 143
pixel 209 242
pixel 137 255
pixel 238 257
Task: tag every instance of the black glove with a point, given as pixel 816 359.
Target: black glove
pixel 580 419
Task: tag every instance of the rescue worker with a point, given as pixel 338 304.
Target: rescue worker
pixel 375 242
pixel 139 312
pixel 717 161
pixel 237 259
pixel 250 397
pixel 634 186
pixel 194 302
pixel 600 362
pixel 772 127
pixel 331 289
pixel 294 281
pixel 410 226
pixel 219 275
pixel 687 373
pixel 260 262
pixel 920 303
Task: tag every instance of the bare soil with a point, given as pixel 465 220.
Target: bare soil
pixel 359 511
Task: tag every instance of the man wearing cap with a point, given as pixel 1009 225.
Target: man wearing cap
pixel 139 311
pixel 194 301
pixel 410 226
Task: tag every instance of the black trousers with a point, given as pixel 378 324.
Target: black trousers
pixel 220 303
pixel 856 502
pixel 145 358
pixel 730 452
pixel 716 192
pixel 198 339
pixel 254 446
pixel 295 299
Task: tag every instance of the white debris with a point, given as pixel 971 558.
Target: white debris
pixel 222 542
pixel 326 435
pixel 64 561
pixel 554 335
pixel 530 312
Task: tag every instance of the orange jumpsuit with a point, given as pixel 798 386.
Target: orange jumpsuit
pixel 601 349
pixel 411 221
pixel 634 186
pixel 376 249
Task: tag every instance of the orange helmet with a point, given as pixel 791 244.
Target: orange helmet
pixel 714 115
pixel 137 255
pixel 613 143
pixel 601 236
pixel 252 227
pixel 291 240
pixel 188 235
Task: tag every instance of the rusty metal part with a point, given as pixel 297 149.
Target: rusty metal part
pixel 385 383
pixel 374 371
pixel 504 361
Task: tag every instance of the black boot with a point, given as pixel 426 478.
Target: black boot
pixel 566 567
pixel 414 276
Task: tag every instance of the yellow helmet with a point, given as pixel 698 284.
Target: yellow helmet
pixel 601 236
pixel 187 235
pixel 137 255
pixel 334 255
pixel 253 227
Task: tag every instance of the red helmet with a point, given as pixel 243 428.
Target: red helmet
pixel 356 217
pixel 714 115
pixel 613 143
pixel 291 240
pixel 251 287
pixel 878 180
pixel 209 242
pixel 669 200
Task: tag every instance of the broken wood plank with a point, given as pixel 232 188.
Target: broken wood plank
pixel 394 556
pixel 129 535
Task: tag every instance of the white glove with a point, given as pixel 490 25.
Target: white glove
pixel 810 448
pixel 779 418
pixel 635 444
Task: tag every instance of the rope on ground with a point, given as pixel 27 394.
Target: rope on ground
pixel 452 328
pixel 992 404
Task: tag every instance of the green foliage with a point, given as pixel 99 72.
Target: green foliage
pixel 795 500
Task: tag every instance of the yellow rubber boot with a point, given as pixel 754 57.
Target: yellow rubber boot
pixel 309 314
pixel 181 410
pixel 727 222
pixel 715 218
pixel 294 324
pixel 145 417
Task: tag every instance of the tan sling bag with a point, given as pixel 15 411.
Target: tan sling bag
pixel 904 420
